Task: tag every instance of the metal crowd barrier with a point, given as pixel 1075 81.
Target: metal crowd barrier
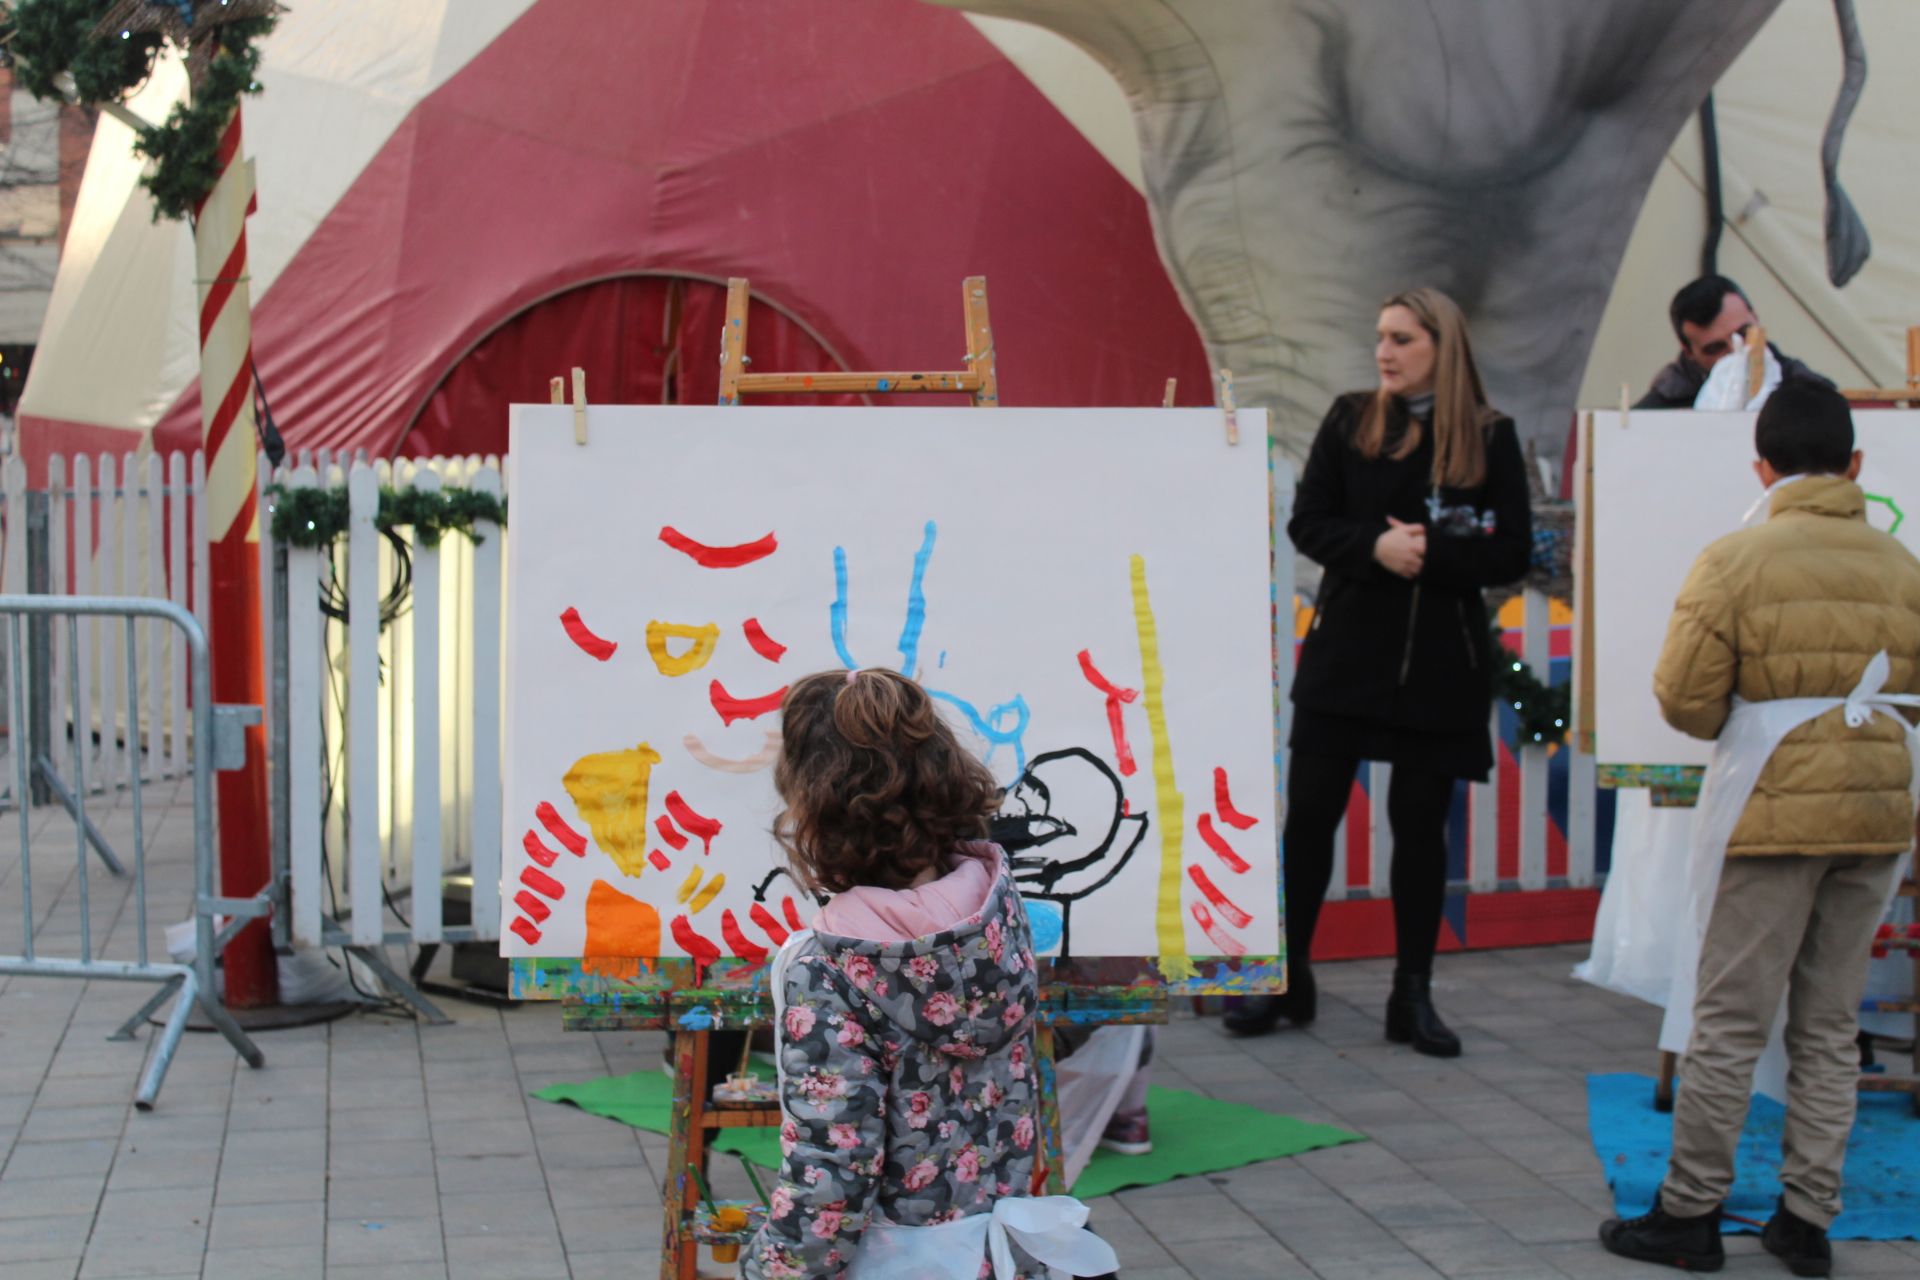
pixel 217 735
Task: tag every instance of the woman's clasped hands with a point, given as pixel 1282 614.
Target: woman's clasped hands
pixel 1402 549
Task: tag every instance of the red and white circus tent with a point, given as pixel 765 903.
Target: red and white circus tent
pixel 458 200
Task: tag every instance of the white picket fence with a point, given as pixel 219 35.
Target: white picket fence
pixel 395 724
pixel 117 525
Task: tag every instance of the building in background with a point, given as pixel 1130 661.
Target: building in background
pixel 43 152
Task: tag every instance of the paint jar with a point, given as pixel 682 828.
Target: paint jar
pixel 729 1218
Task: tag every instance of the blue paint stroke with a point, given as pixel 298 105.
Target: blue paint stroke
pixel 916 604
pixel 883 385
pixel 1047 921
pixel 943 657
pixel 987 726
pixel 838 614
pixel 697 1018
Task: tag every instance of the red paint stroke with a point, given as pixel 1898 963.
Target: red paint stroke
pixel 704 953
pixel 791 912
pixel 668 832
pixel 764 918
pixel 731 708
pixel 1221 902
pixel 532 906
pixel 1223 803
pixel 590 644
pixel 659 859
pixel 537 851
pixel 1228 944
pixel 708 557
pixel 1218 843
pixel 542 883
pixel 683 813
pixel 763 644
pixel 1116 722
pixel 576 844
pixel 1126 807
pixel 524 927
pixel 737 941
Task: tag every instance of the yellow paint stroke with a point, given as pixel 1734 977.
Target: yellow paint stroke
pixel 700 646
pixel 610 792
pixel 621 933
pixel 688 885
pixel 1169 927
pixel 707 894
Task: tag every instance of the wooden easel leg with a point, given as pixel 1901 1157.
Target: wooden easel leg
pixel 980 359
pixel 1049 1110
pixel 1663 1087
pixel 686 1150
pixel 733 341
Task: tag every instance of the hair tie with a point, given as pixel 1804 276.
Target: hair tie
pixel 851 674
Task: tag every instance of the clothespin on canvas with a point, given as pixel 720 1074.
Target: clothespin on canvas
pixel 1756 360
pixel 1166 401
pixel 579 405
pixel 1626 404
pixel 1228 408
pixel 557 390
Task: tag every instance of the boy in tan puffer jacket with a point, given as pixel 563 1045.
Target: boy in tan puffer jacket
pixel 1793 608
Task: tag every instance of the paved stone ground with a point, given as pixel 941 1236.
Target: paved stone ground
pixel 376 1147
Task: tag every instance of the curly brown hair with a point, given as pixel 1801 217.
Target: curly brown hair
pixel 875 787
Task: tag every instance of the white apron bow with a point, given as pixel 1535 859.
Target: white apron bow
pixel 1752 732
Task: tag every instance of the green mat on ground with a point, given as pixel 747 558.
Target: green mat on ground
pixel 1191 1134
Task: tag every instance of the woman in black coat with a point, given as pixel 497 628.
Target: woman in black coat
pixel 1414 499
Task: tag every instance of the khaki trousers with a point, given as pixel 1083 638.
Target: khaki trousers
pixel 1794 924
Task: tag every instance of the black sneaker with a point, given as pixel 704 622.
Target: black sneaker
pixel 1689 1244
pixel 1797 1242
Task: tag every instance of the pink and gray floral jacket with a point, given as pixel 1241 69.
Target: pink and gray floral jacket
pixel 909 1087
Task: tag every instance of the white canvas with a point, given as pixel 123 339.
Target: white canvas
pixel 1666 484
pixel 1025 524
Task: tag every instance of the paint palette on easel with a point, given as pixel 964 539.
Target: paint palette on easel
pixel 1084 592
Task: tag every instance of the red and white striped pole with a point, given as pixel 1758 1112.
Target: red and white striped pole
pixel 233 527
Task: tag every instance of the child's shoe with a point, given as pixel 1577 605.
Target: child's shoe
pixel 1797 1242
pixel 1127 1134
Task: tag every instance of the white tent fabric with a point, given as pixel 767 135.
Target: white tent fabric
pixel 118 346
pixel 120 340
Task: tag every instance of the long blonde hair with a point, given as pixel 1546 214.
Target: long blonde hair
pixel 1460 410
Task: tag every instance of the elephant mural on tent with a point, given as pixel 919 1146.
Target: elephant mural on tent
pixel 1305 158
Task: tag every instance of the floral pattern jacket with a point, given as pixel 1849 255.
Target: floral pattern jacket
pixel 908 1086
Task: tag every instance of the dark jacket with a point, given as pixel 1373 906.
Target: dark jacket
pixel 1408 654
pixel 1678 384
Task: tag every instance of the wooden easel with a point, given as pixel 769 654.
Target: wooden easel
pixel 695 1117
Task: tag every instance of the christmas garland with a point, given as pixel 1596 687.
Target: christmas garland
pixel 313 518
pixel 49 41
pixel 1541 710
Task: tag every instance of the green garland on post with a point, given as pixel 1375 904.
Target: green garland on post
pixel 1543 711
pixel 313 518
pixel 50 40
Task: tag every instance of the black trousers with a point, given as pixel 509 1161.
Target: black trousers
pixel 1318 787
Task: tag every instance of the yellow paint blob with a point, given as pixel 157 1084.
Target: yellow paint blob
pixel 700 642
pixel 610 792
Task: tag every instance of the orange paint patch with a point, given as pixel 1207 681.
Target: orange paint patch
pixel 621 931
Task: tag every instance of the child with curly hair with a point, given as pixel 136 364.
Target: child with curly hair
pixel 905 1015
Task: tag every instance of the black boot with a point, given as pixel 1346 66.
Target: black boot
pixel 1690 1244
pixel 1257 1015
pixel 1797 1242
pixel 1411 1018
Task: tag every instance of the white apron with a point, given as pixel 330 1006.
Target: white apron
pixel 1050 1228
pixel 1752 732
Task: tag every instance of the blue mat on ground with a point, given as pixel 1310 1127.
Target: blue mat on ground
pixel 1882 1191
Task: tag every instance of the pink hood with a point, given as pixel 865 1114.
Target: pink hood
pixel 901 915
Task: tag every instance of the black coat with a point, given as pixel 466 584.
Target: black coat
pixel 1405 654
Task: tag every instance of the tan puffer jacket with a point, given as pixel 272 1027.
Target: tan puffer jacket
pixel 1796 608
